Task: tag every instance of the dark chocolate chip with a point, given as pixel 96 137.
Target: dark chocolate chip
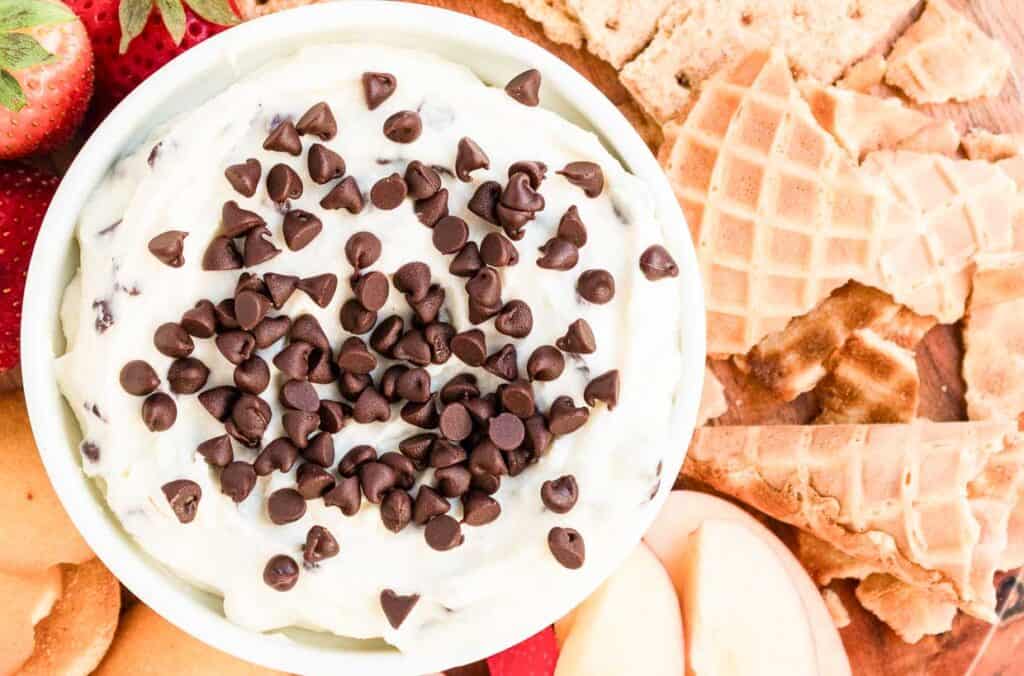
pixel 578 339
pixel 354 357
pixel 657 263
pixel 200 321
pixel 571 227
pixel 333 415
pixel 439 336
pixel 355 318
pixel 377 87
pixel 429 307
pixel 470 346
pixel 396 510
pixel 485 287
pixel 413 348
pixel 362 250
pixel 567 547
pixel 159 412
pixel 324 164
pixel 285 505
pixel 222 254
pixel 558 254
pixel 452 482
pixel 318 121
pixel 404 126
pixel 371 406
pixel 270 330
pixel 515 319
pixel 485 201
pixel 345 495
pixel 432 209
pixel 518 460
pixel 320 545
pixel 423 415
pixel 537 171
pixel 169 247
pixel 216 451
pixel 545 364
pixel 320 450
pixel 236 221
pixel 300 395
pixel 244 177
pixel 307 329
pixel 225 314
pixel 321 367
pixel 497 251
pixel 469 158
pixel 371 290
pixel 538 436
pixel 388 192
pixel 503 363
pixel 517 398
pixel 443 533
pixel 479 509
pixel 139 378
pixel 525 87
pixel 352 385
pixel 467 261
pixel 560 495
pixel 236 346
pixel 460 388
pixel 183 496
pixel 520 195
pixel 283 184
pixel 413 279
pixel 422 181
pixel 376 479
pixel 455 422
pixel 187 375
pixel 249 419
pixel 507 431
pixel 513 221
pixel 280 454
pixel 429 503
pixel 486 457
pixel 413 385
pixel 293 360
pixel 300 228
pixel 481 408
pixel 417 448
pixel 313 481
pixel 280 287
pixel 344 195
pixel 281 573
pixel 450 234
pixel 604 388
pixel 250 309
pixel 396 607
pixel 386 335
pixel 586 175
pixel 596 286
pixel 564 417
pixel 354 458
pixel 237 480
pixel 258 248
pixel 320 288
pixel 404 468
pixel 444 453
pixel 219 401
pixel 298 425
pixel 284 139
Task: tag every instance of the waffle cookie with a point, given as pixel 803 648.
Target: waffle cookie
pixel 616 30
pixel 780 216
pixel 946 57
pixel 909 500
pixel 695 39
pixel 995 387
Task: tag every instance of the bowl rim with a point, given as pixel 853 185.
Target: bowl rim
pixel 41 328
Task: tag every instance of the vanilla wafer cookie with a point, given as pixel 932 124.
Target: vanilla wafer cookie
pixel 616 30
pixel 892 496
pixel 944 56
pixel 554 17
pixel 695 39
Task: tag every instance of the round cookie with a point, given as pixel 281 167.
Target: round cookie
pixel 73 638
pixel 37 532
pixel 147 644
pixel 27 600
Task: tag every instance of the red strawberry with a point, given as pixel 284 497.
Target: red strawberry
pixel 132 41
pixel 536 656
pixel 25 193
pixel 46 75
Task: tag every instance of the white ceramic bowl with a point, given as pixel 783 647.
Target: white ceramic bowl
pixel 495 55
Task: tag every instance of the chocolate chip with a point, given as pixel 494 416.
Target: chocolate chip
pixel 469 158
pixel 515 319
pixel 480 312
pixel 324 164
pixel 283 184
pixel 300 228
pixel 525 87
pixel 354 458
pixel 187 375
pixel 545 364
pixel 281 573
pixel 481 408
pixel 538 436
pixel 485 201
pixel 455 422
pixel 244 177
pixel 417 448
pixel 250 282
pixel 321 367
pixel 396 510
pixel 333 415
pixel 467 261
pixel 280 287
pixel 371 406
pixel 169 247
pixel 355 318
pixel 571 228
pixel 479 509
pixel 313 481
pixel 518 460
pixel 221 254
pixel 371 290
pixel 320 450
pixel 404 468
pixel 513 221
pixel 386 335
pixel 497 251
pixel 567 547
pixel 604 388
pixel 429 503
pixel 307 329
pixel 285 505
pixel 250 309
pixel 429 307
pixel 236 221
pixel 319 121
pixel 236 346
pixel 444 453
pixel 486 457
pixel 249 419
pixel 443 533
pixel 293 360
pixel 200 321
pixel 507 431
pixel 461 387
pixel 376 479
pixel 423 181
pixel 352 385
pixel 537 171
pixel 439 336
pixel 320 288
pixel 657 263
pixel 259 249
pixel 452 482
pixel 517 398
pixel 413 279
pixel 344 195
pixel 596 286
pixel 560 495
pixel 377 87
pixel 564 417
pixel 362 250
pixel 237 480
pixel 183 496
pixel 485 287
pixel 520 195
pixel 354 357
pixel 388 192
pixel 216 451
pixel 578 339
pixel 270 330
pixel 320 545
pixel 139 378
pixel 218 401
pixel 470 346
pixel 396 607
pixel 450 234
pixel 488 484
pixel 558 254
pixel 159 412
pixel 280 454
pixel 403 127
pixel 298 425
pixel 284 138
pixel 503 363
pixel 432 209
pixel 413 348
pixel 586 175
pixel 300 395
pixel 413 385
pixel 345 495
pixel 423 415
pixel 224 311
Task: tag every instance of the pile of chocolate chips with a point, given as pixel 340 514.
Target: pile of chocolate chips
pixel 470 438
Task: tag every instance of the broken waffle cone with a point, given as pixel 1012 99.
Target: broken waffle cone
pixel 944 56
pixel 712 398
pixel 869 380
pixel 911 612
pixel 980 144
pixel 941 136
pixel 998 278
pixel 779 214
pixel 253 9
pixel 895 497
pixel 864 75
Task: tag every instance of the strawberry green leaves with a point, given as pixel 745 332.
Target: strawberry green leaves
pixel 173 15
pixel 214 11
pixel 19 51
pixel 133 15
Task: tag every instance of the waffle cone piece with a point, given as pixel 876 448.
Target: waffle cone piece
pixel 904 499
pixel 712 398
pixel 779 214
pixel 944 56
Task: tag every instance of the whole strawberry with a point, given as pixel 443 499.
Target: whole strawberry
pixel 46 73
pixel 25 193
pixel 132 39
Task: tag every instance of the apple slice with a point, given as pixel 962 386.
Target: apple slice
pixel 630 625
pixel 743 614
pixel 27 599
pixel 683 513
